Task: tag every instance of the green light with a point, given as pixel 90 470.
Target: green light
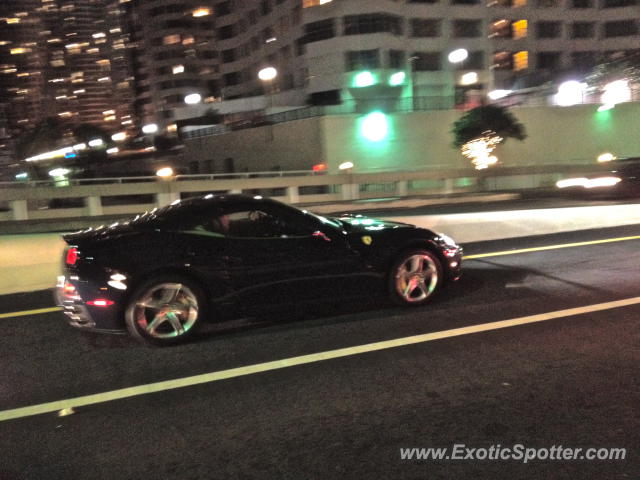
pixel 397 79
pixel 375 126
pixel 364 79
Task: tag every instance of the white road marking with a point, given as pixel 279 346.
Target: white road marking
pixel 302 360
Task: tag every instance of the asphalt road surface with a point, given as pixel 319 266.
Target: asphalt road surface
pixel 568 379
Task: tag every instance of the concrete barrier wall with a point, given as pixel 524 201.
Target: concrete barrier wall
pixel 556 135
pixel 29 262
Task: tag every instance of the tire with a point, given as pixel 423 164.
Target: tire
pixel 165 310
pixel 415 276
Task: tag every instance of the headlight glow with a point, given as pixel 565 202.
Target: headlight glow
pixel 447 240
pixel 602 182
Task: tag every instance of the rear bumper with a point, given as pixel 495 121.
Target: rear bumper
pixel 80 315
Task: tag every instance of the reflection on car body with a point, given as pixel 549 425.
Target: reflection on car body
pixel 164 272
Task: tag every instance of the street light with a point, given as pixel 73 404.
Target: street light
pixel 458 55
pixel 570 93
pixel 150 128
pixel 266 75
pixel 165 172
pixel 412 72
pixel 193 99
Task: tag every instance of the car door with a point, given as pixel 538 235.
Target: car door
pixel 277 254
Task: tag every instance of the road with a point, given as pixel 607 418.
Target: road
pixel 571 380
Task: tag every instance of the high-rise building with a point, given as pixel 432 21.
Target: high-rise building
pixel 321 46
pixel 175 57
pixel 66 59
pixel 22 65
pixel 124 64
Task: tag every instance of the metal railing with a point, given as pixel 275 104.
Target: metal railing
pixel 154 178
pixel 389 105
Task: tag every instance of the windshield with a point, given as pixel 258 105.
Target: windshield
pixel 325 220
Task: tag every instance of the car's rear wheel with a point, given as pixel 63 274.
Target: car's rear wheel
pixel 414 277
pixel 165 310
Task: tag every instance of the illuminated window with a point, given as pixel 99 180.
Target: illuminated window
pixel 177 69
pixel 19 51
pixel 521 60
pixel 171 39
pixel 519 29
pixel 188 40
pixel 519 3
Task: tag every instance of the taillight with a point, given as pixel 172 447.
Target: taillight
pixel 72 256
pixel 100 302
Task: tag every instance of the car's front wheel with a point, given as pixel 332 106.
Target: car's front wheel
pixel 165 310
pixel 414 277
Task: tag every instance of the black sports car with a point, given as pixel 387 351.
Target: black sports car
pixel 162 273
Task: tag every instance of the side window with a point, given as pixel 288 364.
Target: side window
pixel 264 223
pixel 202 222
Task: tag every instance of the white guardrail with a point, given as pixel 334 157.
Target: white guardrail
pixel 20 201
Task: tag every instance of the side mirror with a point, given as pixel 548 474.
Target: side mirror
pixel 321 235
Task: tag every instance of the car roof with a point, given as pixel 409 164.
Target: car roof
pixel 210 200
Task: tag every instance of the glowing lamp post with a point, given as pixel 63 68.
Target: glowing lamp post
pixel 193 99
pixel 165 173
pixel 570 93
pixel 266 76
pixel 150 129
pixel 456 56
pixel 614 93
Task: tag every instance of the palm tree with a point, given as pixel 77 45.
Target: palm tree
pixel 479 131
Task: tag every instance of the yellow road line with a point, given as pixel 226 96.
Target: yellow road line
pixel 550 247
pixel 29 312
pixel 300 360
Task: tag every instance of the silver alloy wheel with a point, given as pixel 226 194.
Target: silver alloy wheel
pixel 416 278
pixel 167 310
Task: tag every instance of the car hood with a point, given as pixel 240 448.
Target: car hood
pixel 362 224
